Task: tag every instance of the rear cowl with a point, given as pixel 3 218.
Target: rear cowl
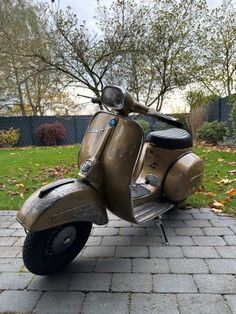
pixel 184 177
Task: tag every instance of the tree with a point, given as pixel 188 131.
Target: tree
pixel 160 56
pixel 28 80
pixel 217 50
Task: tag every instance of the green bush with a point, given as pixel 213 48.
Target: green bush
pixel 9 138
pixel 212 132
pixel 145 125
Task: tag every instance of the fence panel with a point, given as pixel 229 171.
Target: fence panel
pixel 74 125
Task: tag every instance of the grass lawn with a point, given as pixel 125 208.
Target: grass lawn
pixel 24 170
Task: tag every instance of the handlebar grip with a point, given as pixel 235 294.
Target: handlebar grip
pixel 171 121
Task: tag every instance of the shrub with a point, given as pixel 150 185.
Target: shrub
pixel 145 125
pixel 51 133
pixel 212 132
pixel 9 138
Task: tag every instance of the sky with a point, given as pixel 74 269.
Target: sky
pixel 86 9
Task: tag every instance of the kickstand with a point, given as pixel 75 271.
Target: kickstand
pixel 160 225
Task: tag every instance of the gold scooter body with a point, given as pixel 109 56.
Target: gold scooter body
pixel 136 180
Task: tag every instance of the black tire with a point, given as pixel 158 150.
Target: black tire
pixel 47 252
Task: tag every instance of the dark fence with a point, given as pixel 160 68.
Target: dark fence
pixel 220 110
pixel 75 126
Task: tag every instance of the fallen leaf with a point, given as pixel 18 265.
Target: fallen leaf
pixel 232 171
pixel 211 194
pixel 221 159
pixel 232 163
pixel 216 210
pixel 19 185
pixel 12 181
pixel 226 181
pixel 217 205
pixel 231 192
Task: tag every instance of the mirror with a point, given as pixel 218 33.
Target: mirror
pixel 113 97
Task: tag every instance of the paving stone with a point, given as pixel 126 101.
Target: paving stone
pixel 223 222
pixel 180 240
pixel 132 251
pixel 172 283
pixel 4 218
pixel 80 264
pixel 113 265
pixel 20 242
pixel 6 232
pixel 16 225
pixel 18 301
pixel 60 303
pixel 153 265
pixel 5 224
pixel 222 266
pixel 101 251
pixel 227 251
pixel 157 231
pixel 200 252
pixel 208 241
pixel 131 282
pixel 106 303
pixel 105 231
pixel 230 240
pixel 188 231
pixel 112 216
pixel 9 251
pixel 10 264
pixel 116 240
pixel 174 224
pixel 18 232
pixel 7 241
pixel 197 223
pixel 166 251
pixel 92 241
pixel 54 282
pixel 202 303
pixel 8 213
pixel 233 228
pixel 132 231
pixel 217 231
pixel 180 216
pixel 188 266
pixel 14 281
pixel 121 223
pixel 205 216
pixel 211 283
pixel 146 240
pixel 153 304
pixel 231 301
pixel 90 282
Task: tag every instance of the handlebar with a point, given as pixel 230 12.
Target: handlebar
pixel 140 108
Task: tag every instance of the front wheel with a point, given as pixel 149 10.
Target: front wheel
pixel 47 252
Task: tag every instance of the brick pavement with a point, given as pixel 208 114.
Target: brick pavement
pixel 124 268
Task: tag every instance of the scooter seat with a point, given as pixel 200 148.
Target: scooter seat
pixel 172 138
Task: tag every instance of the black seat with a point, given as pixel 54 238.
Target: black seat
pixel 172 138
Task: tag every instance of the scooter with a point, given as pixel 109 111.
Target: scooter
pixel 134 179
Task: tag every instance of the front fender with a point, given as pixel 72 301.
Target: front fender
pixel 60 202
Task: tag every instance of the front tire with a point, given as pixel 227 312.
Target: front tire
pixel 47 252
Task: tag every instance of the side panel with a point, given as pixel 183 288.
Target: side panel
pixel 184 177
pixel 113 151
pixel 65 203
pixel 119 162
